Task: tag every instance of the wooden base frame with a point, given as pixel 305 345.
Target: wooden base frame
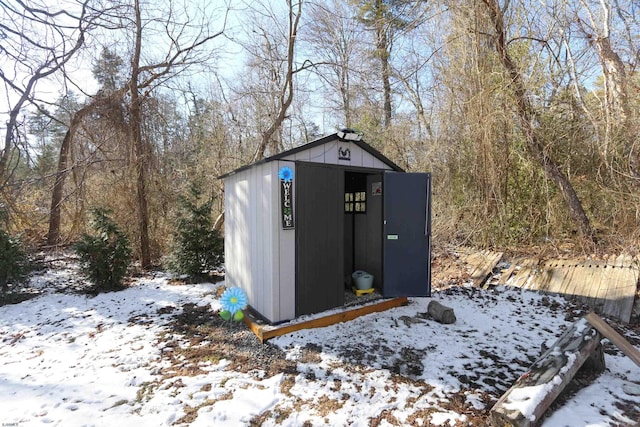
pixel 264 331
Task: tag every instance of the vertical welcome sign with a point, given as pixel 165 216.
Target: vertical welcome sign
pixel 286 196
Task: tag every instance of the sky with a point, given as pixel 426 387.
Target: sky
pixel 78 69
pixel 68 359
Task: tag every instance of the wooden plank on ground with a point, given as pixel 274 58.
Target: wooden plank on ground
pixel 531 395
pixel 606 277
pixel 608 285
pixel 482 264
pixel 581 275
pixel 506 274
pixel 571 275
pixel 264 332
pixel 551 276
pixel 571 266
pixel 621 289
pixel 587 286
pixel 521 278
pixel 613 336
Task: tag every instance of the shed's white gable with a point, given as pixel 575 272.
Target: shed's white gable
pixel 337 152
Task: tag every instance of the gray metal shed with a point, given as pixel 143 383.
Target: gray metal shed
pixel 299 222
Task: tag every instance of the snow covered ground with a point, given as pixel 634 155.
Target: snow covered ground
pixel 158 354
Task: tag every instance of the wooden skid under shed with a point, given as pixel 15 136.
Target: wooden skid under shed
pixel 264 332
pixel 608 285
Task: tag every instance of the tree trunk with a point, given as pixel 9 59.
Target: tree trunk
pixel 346 95
pixel 527 116
pixel 383 50
pixel 53 63
pixel 53 236
pixel 386 82
pixel 286 95
pixel 55 215
pixel 10 137
pixel 141 155
pixel 616 105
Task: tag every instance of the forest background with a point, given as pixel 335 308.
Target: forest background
pixel 526 112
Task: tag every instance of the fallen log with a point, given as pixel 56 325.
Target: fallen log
pixel 441 313
pixel 531 395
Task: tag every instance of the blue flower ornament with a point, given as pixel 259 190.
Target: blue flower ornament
pixel 233 301
pixel 285 174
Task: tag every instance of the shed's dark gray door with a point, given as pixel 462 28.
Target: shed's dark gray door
pixel 319 238
pixel 407 234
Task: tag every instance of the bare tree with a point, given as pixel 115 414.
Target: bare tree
pixel 528 120
pixel 609 28
pixel 185 44
pixel 39 40
pixel 387 19
pixel 64 164
pixel 184 49
pixel 284 90
pixel 333 35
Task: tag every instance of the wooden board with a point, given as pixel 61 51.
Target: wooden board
pixel 622 289
pixel 506 274
pixel 481 263
pixel 614 337
pixel 522 277
pixel 264 332
pixel 547 377
pixel 607 285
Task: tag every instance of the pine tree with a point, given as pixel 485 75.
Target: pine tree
pixel 106 255
pixel 198 247
pixel 14 262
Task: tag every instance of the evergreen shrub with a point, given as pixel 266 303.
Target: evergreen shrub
pixel 14 261
pixel 198 248
pixel 106 255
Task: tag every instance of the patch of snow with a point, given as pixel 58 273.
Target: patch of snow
pixel 68 359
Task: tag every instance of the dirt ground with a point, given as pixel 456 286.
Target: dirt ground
pixel 201 326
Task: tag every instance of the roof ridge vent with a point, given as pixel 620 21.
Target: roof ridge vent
pixel 348 134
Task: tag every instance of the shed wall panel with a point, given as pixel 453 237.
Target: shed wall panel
pixel 286 248
pixel 249 235
pixel 302 156
pixel 262 240
pixel 263 236
pixel 259 254
pixel 254 285
pixel 357 155
pixel 317 154
pixel 367 161
pixel 236 231
pixel 331 153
